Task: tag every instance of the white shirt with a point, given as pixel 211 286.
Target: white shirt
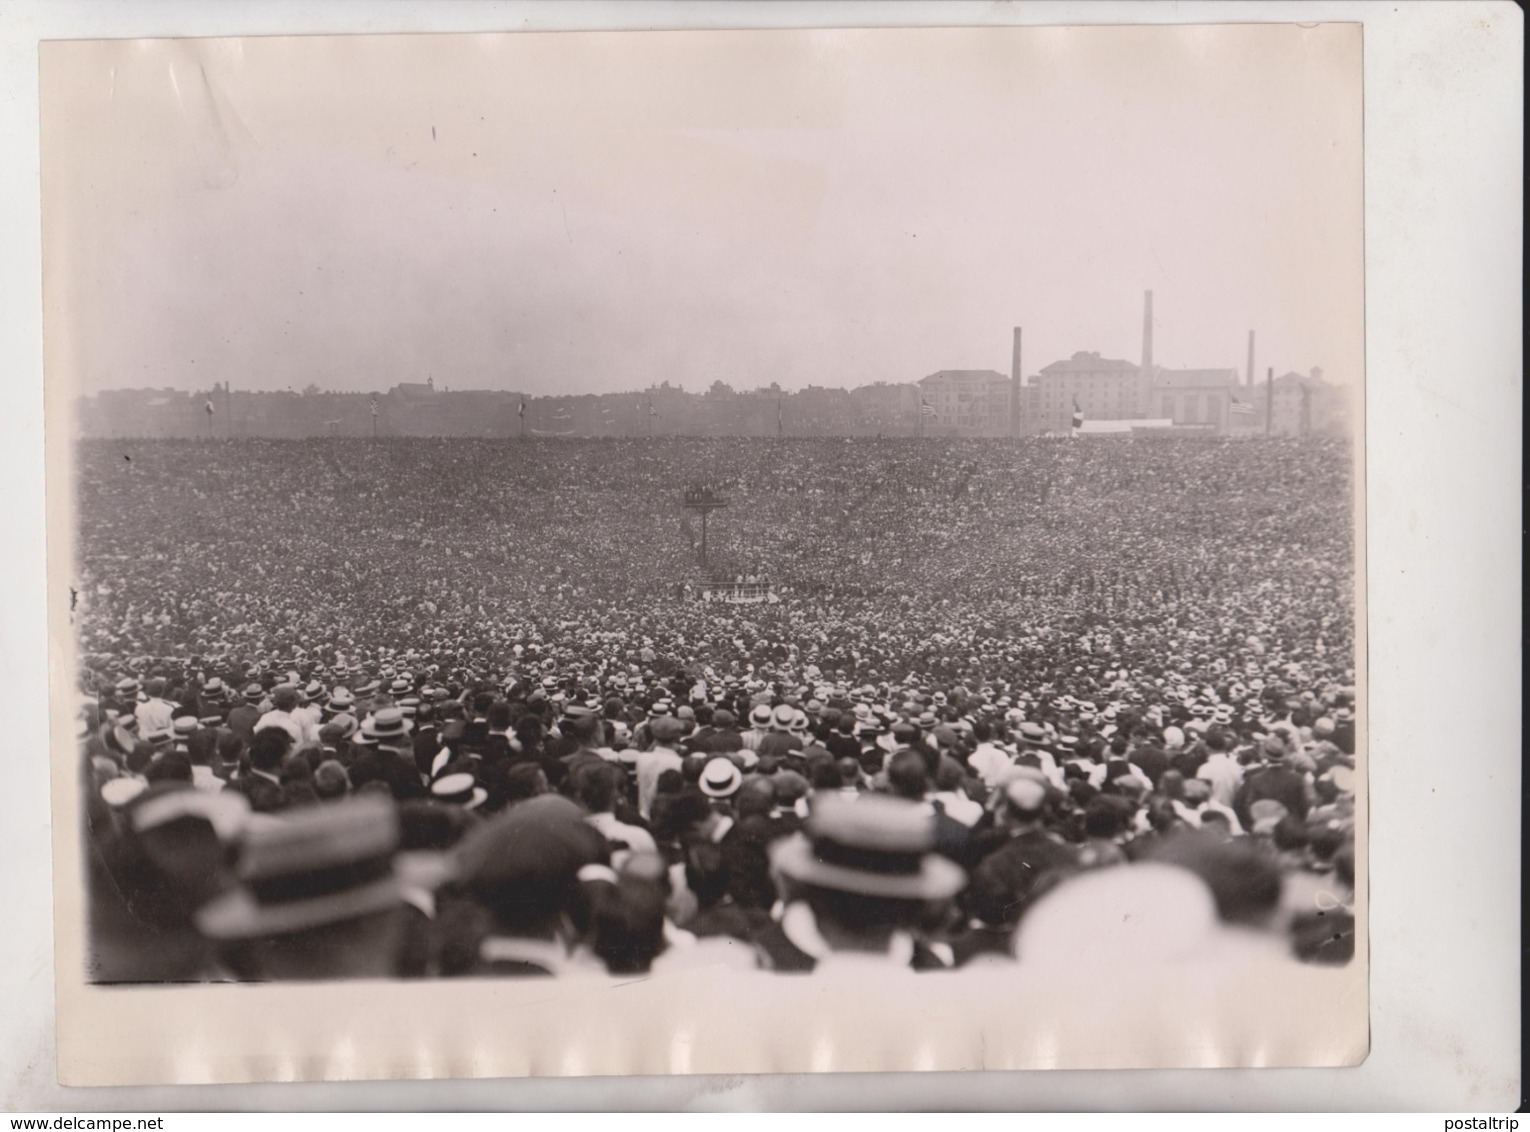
pixel 650 765
pixel 989 761
pixel 155 716
pixel 959 807
pixel 291 724
pixel 636 838
pixel 311 715
pixel 1193 816
pixel 1225 775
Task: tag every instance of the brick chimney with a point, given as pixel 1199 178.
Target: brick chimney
pixel 1016 375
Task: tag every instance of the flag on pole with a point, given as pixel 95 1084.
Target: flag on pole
pixel 1078 415
pixel 652 412
pixel 1240 408
pixel 520 410
pixel 209 407
pixel 374 404
pixel 927 409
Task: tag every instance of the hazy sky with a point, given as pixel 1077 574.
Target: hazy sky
pixel 594 212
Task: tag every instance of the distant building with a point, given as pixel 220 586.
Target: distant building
pixel 1153 397
pixel 885 407
pixel 412 408
pixel 968 400
pixel 1103 389
pixel 1029 411
pixel 1197 398
pixel 1305 405
pixel 415 390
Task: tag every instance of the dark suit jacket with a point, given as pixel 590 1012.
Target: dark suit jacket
pixel 843 746
pixel 388 766
pixel 241 721
pixel 264 796
pixel 1272 782
pixel 473 738
pixel 427 741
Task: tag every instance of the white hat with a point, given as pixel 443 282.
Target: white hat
pixel 720 778
pixel 118 792
pixel 459 788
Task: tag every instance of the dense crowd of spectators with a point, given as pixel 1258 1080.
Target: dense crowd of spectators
pixel 437 707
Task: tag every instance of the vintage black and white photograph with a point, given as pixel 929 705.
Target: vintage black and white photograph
pixel 776 509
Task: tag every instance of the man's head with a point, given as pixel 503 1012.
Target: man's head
pixel 585 727
pixel 169 767
pixel 1220 739
pixel 268 748
pixel 757 797
pixel 666 729
pixel 1025 801
pixel 597 786
pixel 627 924
pixel 908 776
pixel 499 716
pixel 524 780
pixel 523 865
pixel 330 781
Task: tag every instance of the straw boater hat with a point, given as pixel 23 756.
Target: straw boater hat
pixel 388 724
pixel 120 733
pixel 318 865
pixel 118 792
pixel 720 778
pixel 340 702
pixel 459 789
pixel 166 804
pixel 184 727
pixel 875 845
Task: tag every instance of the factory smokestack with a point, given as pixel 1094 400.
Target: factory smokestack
pixel 1016 376
pixel 1147 335
pixel 1250 359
